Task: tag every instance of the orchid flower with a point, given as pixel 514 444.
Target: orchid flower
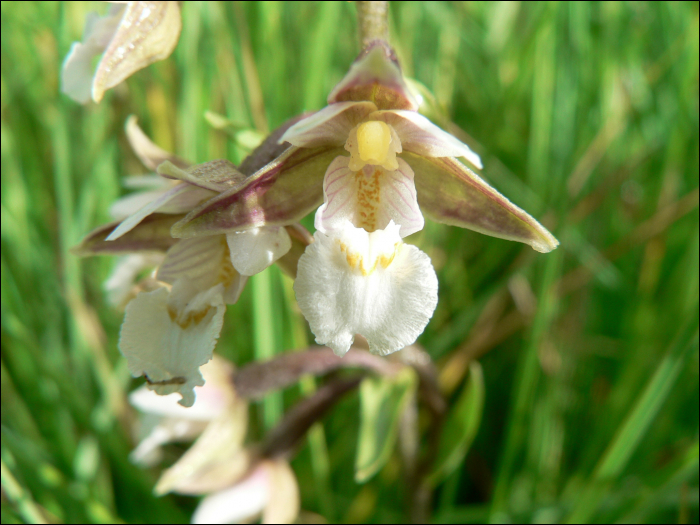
pixel 370 165
pixel 170 331
pixel 129 37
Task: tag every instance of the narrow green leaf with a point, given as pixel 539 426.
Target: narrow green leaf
pixel 461 426
pixel 635 426
pixel 382 400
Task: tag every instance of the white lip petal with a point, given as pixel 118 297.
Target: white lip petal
pixel 180 199
pixel 329 126
pixel 370 198
pixel 167 336
pixel 372 284
pixel 421 136
pixel 254 250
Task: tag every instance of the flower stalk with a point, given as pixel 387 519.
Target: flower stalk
pixel 372 21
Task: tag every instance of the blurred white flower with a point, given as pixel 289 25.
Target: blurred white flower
pixel 165 420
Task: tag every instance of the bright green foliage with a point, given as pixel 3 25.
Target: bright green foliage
pixel 382 402
pixel 585 114
pixel 461 426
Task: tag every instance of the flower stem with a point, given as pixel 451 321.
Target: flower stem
pixel 372 21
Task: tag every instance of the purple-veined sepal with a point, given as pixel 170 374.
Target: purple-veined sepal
pixel 279 194
pixel 450 193
pixel 375 76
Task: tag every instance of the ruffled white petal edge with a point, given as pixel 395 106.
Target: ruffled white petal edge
pixel 254 250
pixel 372 284
pixel 167 336
pixel 211 399
pixel 370 198
pixel 421 136
pixel 271 489
pixel 329 126
pixel 180 199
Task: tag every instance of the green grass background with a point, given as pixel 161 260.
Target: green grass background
pixel 585 114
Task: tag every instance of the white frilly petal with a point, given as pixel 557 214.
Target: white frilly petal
pixel 78 69
pixel 167 336
pixel 370 198
pixel 180 199
pixel 421 136
pixel 254 250
pixel 355 282
pixel 329 126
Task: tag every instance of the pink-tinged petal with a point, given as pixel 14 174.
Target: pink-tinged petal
pixel 329 126
pixel 237 504
pixel 451 193
pixel 203 262
pixel 339 197
pixel 151 235
pixel 279 194
pixel 375 76
pixel 149 153
pixel 369 199
pixel 179 199
pixel 216 175
pixel 271 489
pixel 148 32
pixel 422 137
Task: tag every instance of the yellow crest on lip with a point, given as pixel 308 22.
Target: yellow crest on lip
pixel 373 141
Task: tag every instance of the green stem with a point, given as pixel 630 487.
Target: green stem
pixel 265 344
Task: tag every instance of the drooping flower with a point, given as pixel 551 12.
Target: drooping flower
pixel 171 330
pixel 129 37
